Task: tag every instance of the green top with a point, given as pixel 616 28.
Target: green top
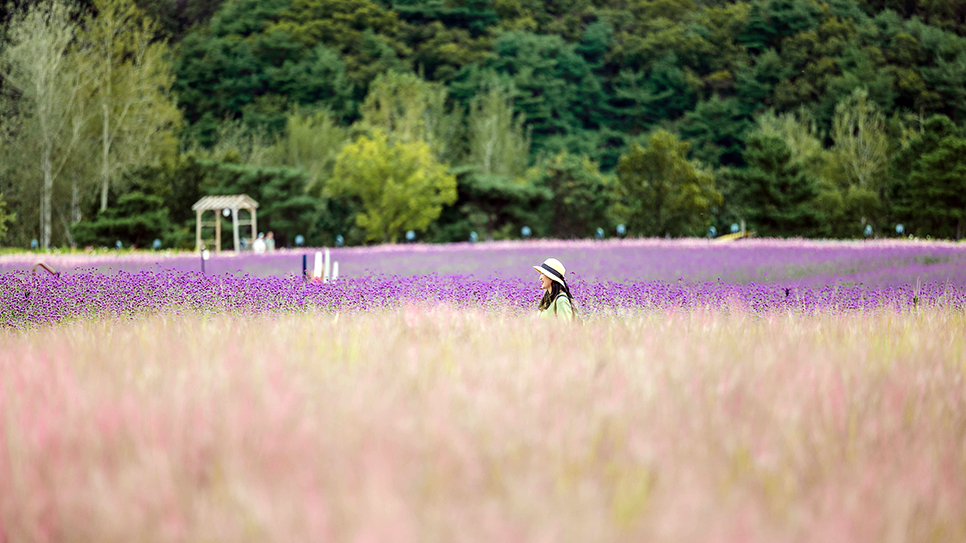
pixel 562 306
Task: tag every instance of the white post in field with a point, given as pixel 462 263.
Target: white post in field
pixel 335 270
pixel 328 267
pixel 317 273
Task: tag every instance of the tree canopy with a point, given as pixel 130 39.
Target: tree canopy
pixel 529 106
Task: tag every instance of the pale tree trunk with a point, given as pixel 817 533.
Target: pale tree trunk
pixel 105 161
pixel 75 201
pixel 488 166
pixel 106 133
pixel 46 196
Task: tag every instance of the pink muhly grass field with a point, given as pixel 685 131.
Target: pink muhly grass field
pixel 427 424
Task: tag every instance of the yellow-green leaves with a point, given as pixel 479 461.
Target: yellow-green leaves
pixel 407 108
pixel 400 185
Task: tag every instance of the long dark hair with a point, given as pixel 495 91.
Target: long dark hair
pixel 555 289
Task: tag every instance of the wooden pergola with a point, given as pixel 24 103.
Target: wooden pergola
pixel 217 204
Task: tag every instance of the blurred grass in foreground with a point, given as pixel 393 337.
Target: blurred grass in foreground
pixel 433 425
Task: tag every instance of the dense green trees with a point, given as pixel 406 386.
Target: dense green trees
pixel 5 217
pixel 137 219
pixel 802 117
pixel 662 192
pixel 582 196
pixel 775 193
pixel 928 180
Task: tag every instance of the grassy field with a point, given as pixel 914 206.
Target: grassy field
pixel 423 424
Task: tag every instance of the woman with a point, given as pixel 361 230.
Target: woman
pixel 557 300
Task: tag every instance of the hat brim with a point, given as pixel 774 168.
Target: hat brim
pixel 544 272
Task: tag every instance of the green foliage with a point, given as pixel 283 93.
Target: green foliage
pixel 129 103
pixel 800 132
pixel 928 179
pixel 582 196
pixel 474 16
pixel 311 143
pixel 757 81
pixel 661 192
pixel 243 66
pixel 408 109
pixel 556 89
pixel 859 158
pixel 178 183
pixel 716 128
pixel 284 206
pixel 499 143
pixel 399 186
pixel 491 87
pixel 136 220
pixel 5 217
pixel 366 35
pixel 939 186
pixel 174 19
pixel 493 206
pixel 777 197
pixel 641 98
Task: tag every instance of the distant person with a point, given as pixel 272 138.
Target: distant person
pixel 557 300
pixel 258 246
pixel 270 241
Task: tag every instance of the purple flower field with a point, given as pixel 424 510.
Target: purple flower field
pixel 793 262
pixel 761 276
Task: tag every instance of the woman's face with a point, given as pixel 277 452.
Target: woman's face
pixel 545 282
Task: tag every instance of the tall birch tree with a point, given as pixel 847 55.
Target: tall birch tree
pixel 407 109
pixel 134 108
pixel 39 65
pixel 861 143
pixel 499 141
pixel 860 154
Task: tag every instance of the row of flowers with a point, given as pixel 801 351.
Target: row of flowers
pixel 790 262
pixel 28 300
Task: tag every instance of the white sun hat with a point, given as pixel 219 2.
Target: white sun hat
pixel 553 269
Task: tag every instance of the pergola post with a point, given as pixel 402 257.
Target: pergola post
pixel 234 225
pixel 217 230
pixel 198 230
pixel 254 224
